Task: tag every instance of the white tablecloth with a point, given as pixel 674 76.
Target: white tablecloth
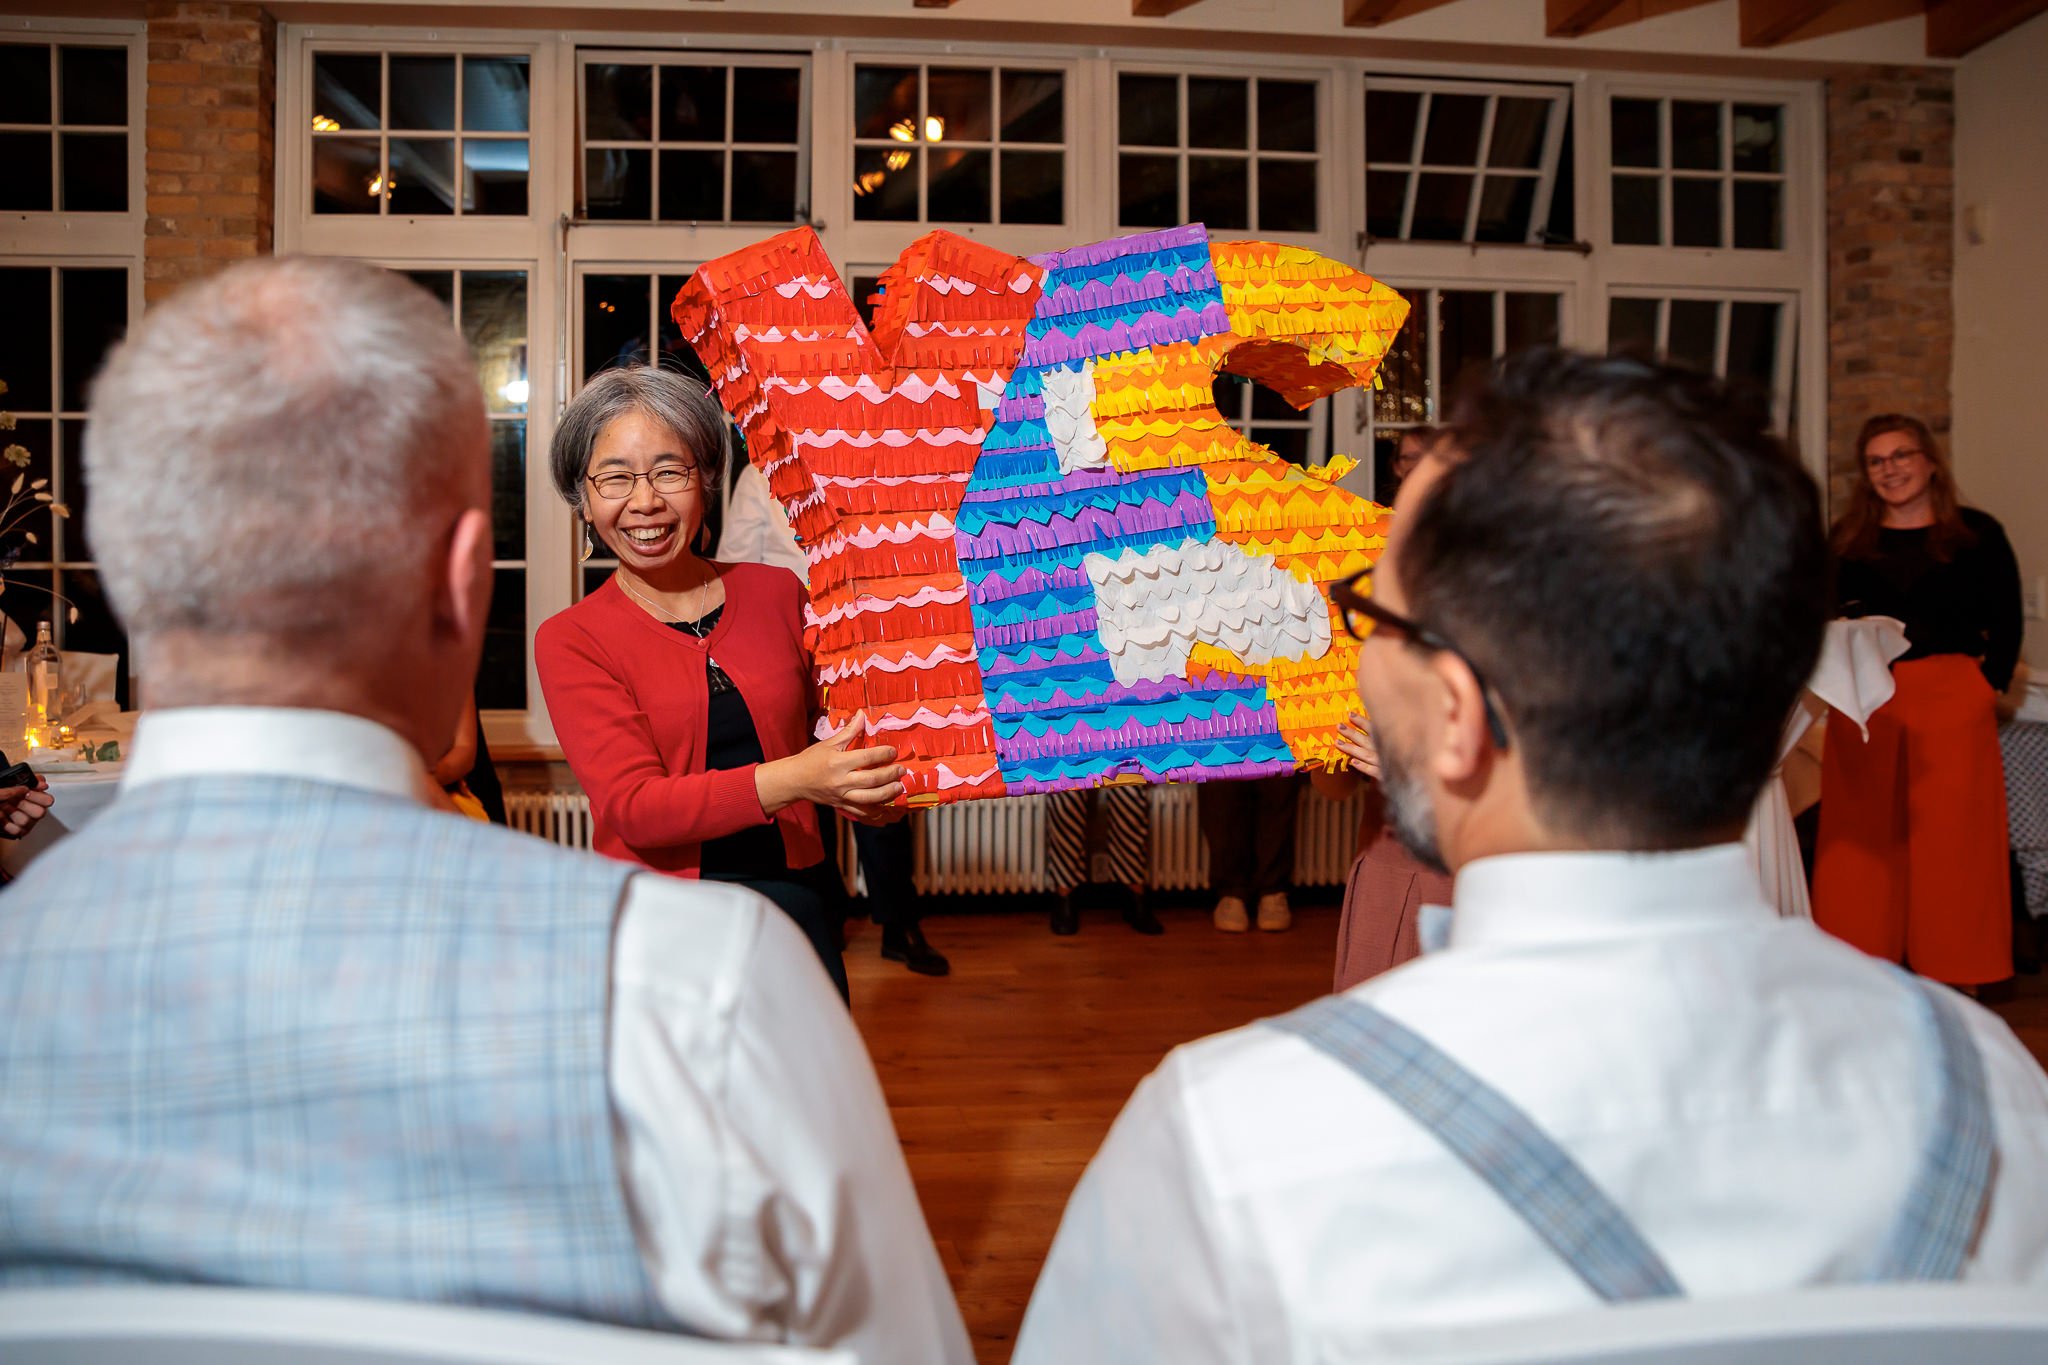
pixel 79 798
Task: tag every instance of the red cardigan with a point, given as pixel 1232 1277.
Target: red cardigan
pixel 628 698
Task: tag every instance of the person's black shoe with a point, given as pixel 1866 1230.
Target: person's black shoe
pixel 907 945
pixel 1140 917
pixel 1065 918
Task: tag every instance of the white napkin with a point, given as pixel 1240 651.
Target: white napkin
pixel 1854 675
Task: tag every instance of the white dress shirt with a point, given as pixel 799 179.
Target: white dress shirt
pixel 1751 1092
pixel 760 1169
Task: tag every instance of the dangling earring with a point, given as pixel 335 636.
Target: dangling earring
pixel 589 548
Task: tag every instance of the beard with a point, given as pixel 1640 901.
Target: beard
pixel 1410 811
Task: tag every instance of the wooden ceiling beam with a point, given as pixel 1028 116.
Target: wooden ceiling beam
pixel 1373 13
pixel 1155 9
pixel 1570 18
pixel 1766 23
pixel 1956 28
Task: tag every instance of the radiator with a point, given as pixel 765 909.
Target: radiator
pixel 995 847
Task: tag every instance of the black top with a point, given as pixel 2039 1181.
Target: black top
pixel 731 741
pixel 1969 605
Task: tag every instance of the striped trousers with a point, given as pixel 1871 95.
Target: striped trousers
pixel 1124 816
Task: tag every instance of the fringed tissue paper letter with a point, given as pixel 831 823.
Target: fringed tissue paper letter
pixel 1039 556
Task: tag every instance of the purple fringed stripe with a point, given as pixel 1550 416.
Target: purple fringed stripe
pixel 1083 740
pixel 1124 291
pixel 996 588
pixel 1112 694
pixel 1095 253
pixel 1150 329
pixel 1039 628
pixel 1029 407
pixel 1001 666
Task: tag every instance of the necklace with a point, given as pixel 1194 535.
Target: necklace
pixel 690 623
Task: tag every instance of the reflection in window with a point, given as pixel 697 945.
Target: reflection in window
pixel 1454 162
pixel 64 109
pixel 948 144
pixel 420 135
pixel 698 139
pixel 1697 173
pixel 1745 339
pixel 1238 153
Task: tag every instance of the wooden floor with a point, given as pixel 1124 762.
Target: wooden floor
pixel 1004 1077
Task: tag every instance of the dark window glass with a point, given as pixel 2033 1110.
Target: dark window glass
pixel 866 289
pixel 1289 443
pixel 96 631
pixel 1695 212
pixel 960 100
pixel 1148 111
pixel 501 675
pixel 1229 393
pixel 1385 196
pixel 884 97
pixel 1695 135
pixel 1218 194
pixel 439 283
pixel 422 176
pixel 1404 395
pixel 94 307
pixel 344 169
pixel 1390 125
pixel 764 187
pixel 94 82
pixel 1287 195
pixel 1759 214
pixel 423 93
pixel 34 434
pixel 1563 223
pixel 1148 191
pixel 1506 203
pixel 28 598
pixel 1465 340
pixel 692 105
pixel 1268 406
pixel 1452 138
pixel 959 190
pixel 890 196
pixel 596 572
pixel 1034 106
pixel 1638 212
pixel 508 490
pixel 670 348
pixel 95 172
pixel 692 186
pixel 70 489
pixel 495 94
pixel 1440 204
pixel 1692 332
pixel 617 183
pixel 618 103
pixel 494 324
pixel 1287 116
pixel 494 176
pixel 1636 139
pixel 25 339
pixel 1218 112
pixel 1531 320
pixel 616 309
pixel 1753 343
pixel 24 85
pixel 348 88
pixel 767 102
pixel 1034 185
pixel 1519 126
pixel 1632 326
pixel 1759 136
pixel 25 172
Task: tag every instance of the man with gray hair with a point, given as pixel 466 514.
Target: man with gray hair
pixel 273 1022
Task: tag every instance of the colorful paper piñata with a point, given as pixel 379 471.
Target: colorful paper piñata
pixel 1039 556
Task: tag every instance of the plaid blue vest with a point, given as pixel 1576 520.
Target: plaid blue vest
pixel 270 1032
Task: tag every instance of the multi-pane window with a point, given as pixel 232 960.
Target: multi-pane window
pixel 1239 153
pixel 63 128
pixel 60 323
pixel 959 144
pixel 1451 161
pixel 1264 416
pixel 1746 338
pixel 419 134
pixel 1450 334
pixel 490 307
pixel 695 140
pixel 1698 173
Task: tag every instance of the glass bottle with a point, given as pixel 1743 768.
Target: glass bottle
pixel 45 668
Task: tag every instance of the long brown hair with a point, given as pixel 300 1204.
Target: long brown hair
pixel 1855 533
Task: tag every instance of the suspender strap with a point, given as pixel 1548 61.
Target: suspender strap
pixel 1932 1236
pixel 1484 1129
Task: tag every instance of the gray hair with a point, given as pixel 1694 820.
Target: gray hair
pixel 677 401
pixel 276 449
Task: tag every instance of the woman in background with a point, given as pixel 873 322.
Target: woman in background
pixel 679 688
pixel 1911 859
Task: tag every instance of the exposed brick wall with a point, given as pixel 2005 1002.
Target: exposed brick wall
pixel 1891 251
pixel 209 135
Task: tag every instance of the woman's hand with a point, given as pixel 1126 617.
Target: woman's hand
pixel 21 807
pixel 857 781
pixel 1354 741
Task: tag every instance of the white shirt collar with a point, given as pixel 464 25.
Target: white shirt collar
pixel 274 741
pixel 1532 898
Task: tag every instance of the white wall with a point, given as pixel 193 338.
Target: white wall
pixel 2001 297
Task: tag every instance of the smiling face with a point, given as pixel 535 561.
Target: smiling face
pixel 1898 469
pixel 649 530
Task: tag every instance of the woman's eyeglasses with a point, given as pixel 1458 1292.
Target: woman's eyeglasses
pixel 1897 459
pixel 1353 599
pixel 617 485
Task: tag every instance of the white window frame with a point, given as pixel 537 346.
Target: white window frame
pixel 1558 96
pixel 1666 174
pixel 1787 352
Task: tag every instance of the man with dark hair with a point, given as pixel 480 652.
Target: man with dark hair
pixel 1619 1074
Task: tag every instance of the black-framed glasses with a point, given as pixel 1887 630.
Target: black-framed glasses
pixel 617 485
pixel 1354 601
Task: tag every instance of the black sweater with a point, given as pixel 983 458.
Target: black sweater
pixel 1969 605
